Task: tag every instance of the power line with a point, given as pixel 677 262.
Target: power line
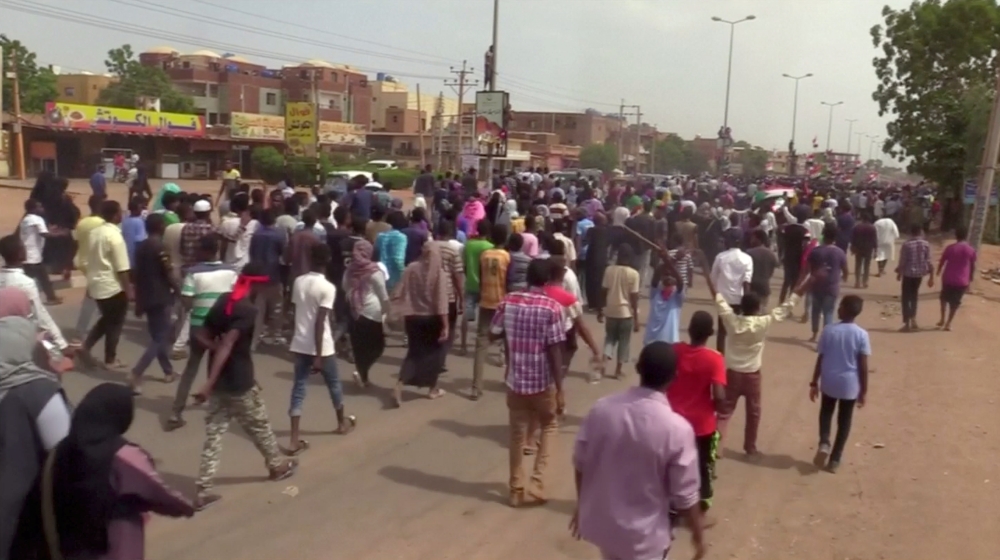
pixel 70 16
pixel 193 16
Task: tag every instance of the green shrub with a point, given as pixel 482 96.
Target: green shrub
pixel 268 164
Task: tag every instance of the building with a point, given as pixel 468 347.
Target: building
pixel 343 93
pixel 778 162
pixel 81 88
pixel 576 129
pixel 391 95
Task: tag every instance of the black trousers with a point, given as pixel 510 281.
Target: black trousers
pixel 109 326
pixel 908 298
pixel 845 412
pixel 40 273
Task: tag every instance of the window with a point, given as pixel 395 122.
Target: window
pixel 186 64
pixel 223 118
pixel 304 75
pixel 331 104
pixel 532 124
pixel 395 119
pixel 213 118
pixel 69 91
pixel 333 77
pixel 213 90
pixel 271 98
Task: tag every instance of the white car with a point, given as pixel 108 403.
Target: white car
pixel 383 164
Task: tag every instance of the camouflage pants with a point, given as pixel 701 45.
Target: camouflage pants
pixel 249 412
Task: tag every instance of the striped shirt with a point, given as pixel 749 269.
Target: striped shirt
pixel 451 260
pixel 204 283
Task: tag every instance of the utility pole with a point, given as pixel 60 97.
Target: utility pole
pixel 315 102
pixel 460 86
pixel 987 171
pixel 652 151
pixel 621 134
pixel 420 125
pixel 493 80
pixel 829 124
pixel 850 126
pixel 438 126
pixel 16 128
pixel 638 137
pixel 859 135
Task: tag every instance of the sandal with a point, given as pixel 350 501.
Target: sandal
pixel 205 501
pixel 290 467
pixel 299 448
pixel 436 393
pixel 348 427
pixel 174 423
pixel 169 378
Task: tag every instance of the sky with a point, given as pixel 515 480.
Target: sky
pixel 667 56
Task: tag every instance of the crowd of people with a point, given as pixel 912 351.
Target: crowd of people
pixel 328 276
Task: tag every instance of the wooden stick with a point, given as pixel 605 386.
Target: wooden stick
pixel 640 237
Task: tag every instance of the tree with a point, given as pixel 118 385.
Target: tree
pixel 669 155
pixel 754 160
pixel 268 164
pixel 936 75
pixel 599 156
pixel 135 80
pixel 37 84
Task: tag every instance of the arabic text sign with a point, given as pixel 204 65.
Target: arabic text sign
pixel 342 134
pixel 125 121
pixel 300 128
pixel 257 127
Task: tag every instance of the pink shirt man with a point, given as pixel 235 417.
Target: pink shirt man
pixel 638 461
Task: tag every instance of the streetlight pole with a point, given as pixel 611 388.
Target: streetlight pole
pixel 850 126
pixel 870 146
pixel 729 78
pixel 493 82
pixel 795 113
pixel 829 124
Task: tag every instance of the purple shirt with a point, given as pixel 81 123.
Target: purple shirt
pixel 638 460
pixel 828 260
pixel 959 260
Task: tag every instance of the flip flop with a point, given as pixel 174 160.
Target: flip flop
pixel 299 448
pixel 289 472
pixel 352 422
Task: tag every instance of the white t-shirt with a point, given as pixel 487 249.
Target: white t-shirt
pixel 310 292
pixel 732 269
pixel 32 228
pixel 237 252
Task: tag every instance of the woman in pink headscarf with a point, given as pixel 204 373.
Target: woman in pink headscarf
pixel 15 303
pixel 472 213
pixel 368 297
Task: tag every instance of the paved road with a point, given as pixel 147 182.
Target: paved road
pixel 428 481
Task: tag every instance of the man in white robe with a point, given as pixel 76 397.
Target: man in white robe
pixel 888 233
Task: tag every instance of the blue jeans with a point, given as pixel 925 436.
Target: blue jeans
pixel 303 368
pixel 822 304
pixel 160 329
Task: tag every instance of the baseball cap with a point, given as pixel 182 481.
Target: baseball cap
pixel 202 206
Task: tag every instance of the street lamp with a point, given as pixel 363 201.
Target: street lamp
pixel 850 127
pixel 729 71
pixel 829 124
pixel 795 113
pixel 870 146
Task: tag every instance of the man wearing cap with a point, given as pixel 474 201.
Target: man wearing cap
pixel 191 237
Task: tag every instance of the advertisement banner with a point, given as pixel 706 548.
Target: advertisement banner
pixel 342 134
pixel 248 126
pixel 491 123
pixel 300 128
pixel 123 121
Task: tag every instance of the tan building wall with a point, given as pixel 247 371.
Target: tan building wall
pixel 80 88
pixel 387 95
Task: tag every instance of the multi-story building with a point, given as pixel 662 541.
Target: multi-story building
pixel 577 129
pixel 391 95
pixel 82 88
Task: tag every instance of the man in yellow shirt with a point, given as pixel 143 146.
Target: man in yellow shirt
pixel 493 265
pixel 230 180
pixel 82 237
pixel 107 284
pixel 621 306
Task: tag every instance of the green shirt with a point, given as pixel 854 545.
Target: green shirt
pixel 474 248
pixel 170 218
pixel 633 201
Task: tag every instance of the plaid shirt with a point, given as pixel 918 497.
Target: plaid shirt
pixel 915 259
pixel 190 237
pixel 531 322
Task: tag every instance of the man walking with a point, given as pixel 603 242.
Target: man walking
pixel 731 274
pixel 887 234
pixel 155 290
pixel 764 264
pixel 958 263
pixel 531 325
pixel 914 264
pixel 825 261
pixel 108 282
pixel 864 244
pixel 191 236
pixel 493 265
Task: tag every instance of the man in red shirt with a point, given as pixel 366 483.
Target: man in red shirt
pixel 697 392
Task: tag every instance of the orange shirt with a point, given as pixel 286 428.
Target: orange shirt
pixel 493 265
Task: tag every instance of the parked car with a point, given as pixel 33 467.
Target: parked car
pixel 383 164
pixel 336 181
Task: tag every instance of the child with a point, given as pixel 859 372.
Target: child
pixel 841 374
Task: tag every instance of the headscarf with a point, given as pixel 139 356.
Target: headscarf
pixel 14 303
pixel 158 199
pixel 473 212
pixel 359 270
pixel 424 290
pixel 18 341
pixel 619 215
pixel 511 206
pixel 85 501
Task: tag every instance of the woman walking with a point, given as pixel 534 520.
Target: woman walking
pixel 597 240
pixel 422 302
pixel 364 287
pixel 100 486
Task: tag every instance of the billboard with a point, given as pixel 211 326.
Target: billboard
pixel 491 123
pixel 341 134
pixel 94 118
pixel 300 129
pixel 247 126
